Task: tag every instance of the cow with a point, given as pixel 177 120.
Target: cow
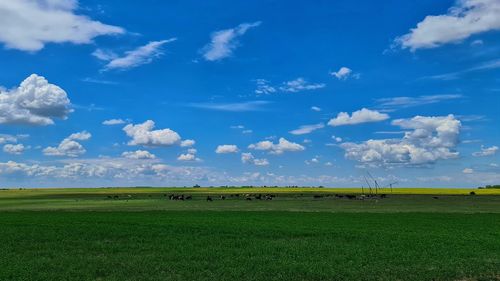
pixel 209 199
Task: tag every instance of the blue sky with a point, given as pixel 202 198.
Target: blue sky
pixel 95 93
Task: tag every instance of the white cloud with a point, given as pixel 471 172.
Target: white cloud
pixel 344 73
pixel 190 155
pixel 34 102
pixel 315 108
pixel 314 160
pixel 138 154
pixel 467 171
pixel 69 146
pixel 106 55
pixel 186 157
pixel 282 146
pixel 477 42
pixel 264 88
pixel 430 139
pixel 242 128
pixel 466 18
pixel 226 148
pixel 300 84
pixel 337 139
pixel 124 170
pixel 30 24
pixel 113 122
pixel 7 138
pixel 306 129
pixel 224 42
pixel 134 58
pixel 360 116
pixel 81 136
pixel 404 102
pixel 14 148
pixel 248 158
pixel 486 151
pixel 233 107
pixel 487 65
pixel 143 134
pixel 187 143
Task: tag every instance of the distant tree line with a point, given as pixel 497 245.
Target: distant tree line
pixel 495 186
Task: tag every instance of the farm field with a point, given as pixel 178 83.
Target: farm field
pixel 286 199
pixel 302 234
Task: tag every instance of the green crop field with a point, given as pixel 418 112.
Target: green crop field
pixel 301 234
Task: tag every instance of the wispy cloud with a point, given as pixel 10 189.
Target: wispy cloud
pixel 134 58
pixel 299 84
pixel 98 81
pixel 306 129
pixel 258 105
pixel 405 102
pixel 492 64
pixel 223 42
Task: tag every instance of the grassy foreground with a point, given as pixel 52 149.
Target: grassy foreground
pixel 302 234
pixel 248 246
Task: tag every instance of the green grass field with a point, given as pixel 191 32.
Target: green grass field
pixel 89 234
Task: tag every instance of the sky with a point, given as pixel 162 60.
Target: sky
pixel 275 92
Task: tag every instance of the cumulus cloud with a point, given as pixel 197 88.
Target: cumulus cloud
pixel 466 18
pixel 315 108
pixel 69 146
pixel 14 148
pixel 282 146
pixel 186 157
pixel 486 151
pixel 134 58
pixel 224 42
pixel 429 139
pixel 307 129
pixel 187 143
pixel 299 85
pixel 248 158
pixel 190 155
pixel 143 134
pixel 337 139
pixel 226 148
pixel 34 102
pixel 4 138
pixel 138 154
pixel 113 169
pixel 360 116
pixel 344 73
pixel 467 171
pixel 30 24
pixel 113 122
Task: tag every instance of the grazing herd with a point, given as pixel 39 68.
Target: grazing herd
pixel 250 197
